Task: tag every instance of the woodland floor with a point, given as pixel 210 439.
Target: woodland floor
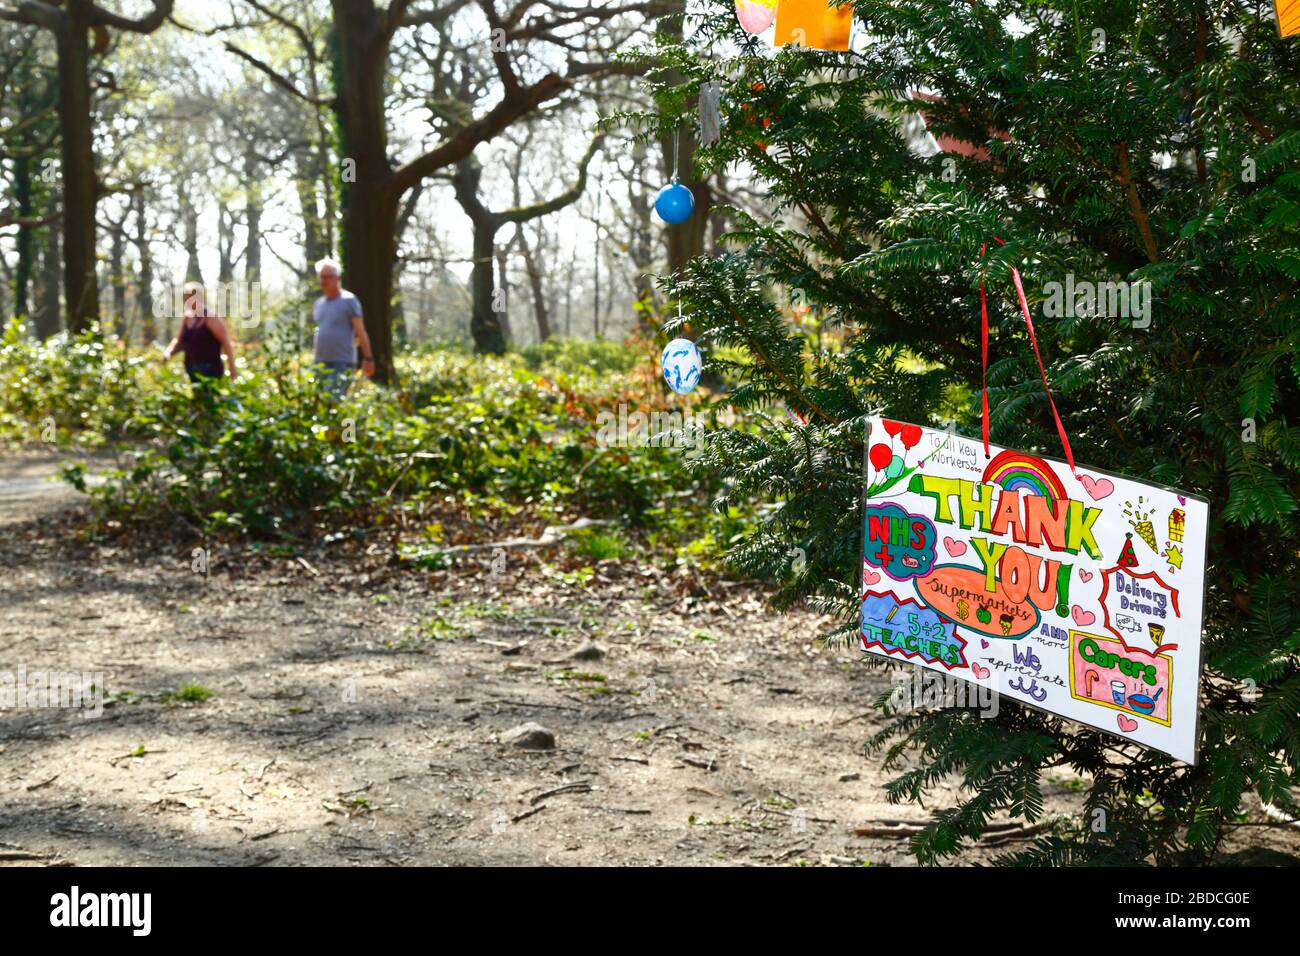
pixel 358 711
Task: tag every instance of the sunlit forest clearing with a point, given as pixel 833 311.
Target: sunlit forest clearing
pixel 439 431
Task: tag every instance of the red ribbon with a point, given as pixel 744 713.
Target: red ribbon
pixel 984 358
pixel 1042 369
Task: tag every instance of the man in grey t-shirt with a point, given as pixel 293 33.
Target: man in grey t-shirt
pixel 340 328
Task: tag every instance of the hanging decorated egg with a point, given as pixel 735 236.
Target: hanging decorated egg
pixel 755 16
pixel 682 365
pixel 675 203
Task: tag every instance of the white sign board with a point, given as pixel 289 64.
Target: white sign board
pixel 1079 596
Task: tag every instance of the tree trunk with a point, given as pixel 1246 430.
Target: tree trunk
pixel 368 251
pixel 46 317
pixel 117 279
pixel 313 228
pixel 80 288
pixel 641 247
pixel 190 218
pixel 533 268
pixel 252 216
pixel 369 198
pixel 398 313
pixel 144 292
pixel 685 240
pixel 595 265
pixel 225 244
pixel 568 292
pixel 24 188
pixel 423 323
pixel 23 200
pixel 404 217
pixel 485 321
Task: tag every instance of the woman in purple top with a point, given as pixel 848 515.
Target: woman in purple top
pixel 203 338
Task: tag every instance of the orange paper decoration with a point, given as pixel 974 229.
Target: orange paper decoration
pixel 818 24
pixel 1288 17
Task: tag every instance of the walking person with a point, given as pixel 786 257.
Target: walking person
pixel 204 339
pixel 340 330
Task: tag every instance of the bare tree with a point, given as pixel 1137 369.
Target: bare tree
pixel 373 185
pixel 485 324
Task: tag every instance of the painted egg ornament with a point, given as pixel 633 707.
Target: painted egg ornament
pixel 682 365
pixel 674 204
pixel 755 16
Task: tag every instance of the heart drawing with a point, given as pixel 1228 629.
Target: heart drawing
pixel 954 547
pixel 982 672
pixel 1085 576
pixel 984 644
pixel 1126 723
pixel 1081 617
pixel 1097 488
pixel 869 576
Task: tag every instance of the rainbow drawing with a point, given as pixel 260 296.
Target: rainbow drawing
pixel 1026 474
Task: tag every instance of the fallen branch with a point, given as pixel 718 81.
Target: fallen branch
pixel 553 535
pixel 567 788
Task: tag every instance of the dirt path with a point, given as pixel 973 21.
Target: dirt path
pixel 359 714
pixel 29 484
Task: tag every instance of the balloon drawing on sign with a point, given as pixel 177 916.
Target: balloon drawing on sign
pixel 887 458
pixel 674 204
pixel 682 365
pixel 755 16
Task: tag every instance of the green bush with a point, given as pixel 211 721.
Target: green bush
pixel 87 390
pixel 270 456
pixel 581 356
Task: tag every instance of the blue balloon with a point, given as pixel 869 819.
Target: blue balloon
pixel 675 203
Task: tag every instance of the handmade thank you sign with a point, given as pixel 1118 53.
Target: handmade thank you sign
pixel 1077 593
